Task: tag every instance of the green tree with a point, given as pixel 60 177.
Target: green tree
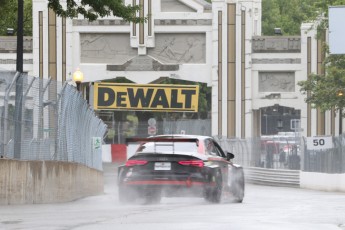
pixel 92 9
pixel 287 15
pixel 326 91
pixel 8 12
pixel 270 16
pixel 204 105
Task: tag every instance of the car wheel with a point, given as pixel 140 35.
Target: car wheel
pixel 126 195
pixel 238 187
pixel 153 197
pixel 214 195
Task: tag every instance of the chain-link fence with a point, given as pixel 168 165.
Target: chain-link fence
pixel 330 160
pixel 51 121
pixel 241 148
pixel 286 152
pixel 120 130
pixel 274 152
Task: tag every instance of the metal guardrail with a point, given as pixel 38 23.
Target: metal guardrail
pixel 273 177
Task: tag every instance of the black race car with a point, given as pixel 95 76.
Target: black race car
pixel 180 165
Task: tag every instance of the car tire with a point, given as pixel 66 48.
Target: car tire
pixel 214 195
pixel 238 187
pixel 126 195
pixel 153 197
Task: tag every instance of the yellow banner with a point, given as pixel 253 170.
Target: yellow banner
pixel 168 98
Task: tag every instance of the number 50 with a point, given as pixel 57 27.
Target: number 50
pixel 318 142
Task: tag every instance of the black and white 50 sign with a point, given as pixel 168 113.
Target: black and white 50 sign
pixel 320 142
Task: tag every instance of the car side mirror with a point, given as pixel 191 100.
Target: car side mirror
pixel 229 156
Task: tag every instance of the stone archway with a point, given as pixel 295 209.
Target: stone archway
pixel 276 118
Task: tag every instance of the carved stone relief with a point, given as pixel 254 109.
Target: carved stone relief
pixel 276 61
pixel 276 44
pixel 106 48
pixel 9 44
pixel 14 61
pixel 142 63
pixel 183 22
pixel 100 22
pixel 179 48
pixel 174 6
pixel 276 82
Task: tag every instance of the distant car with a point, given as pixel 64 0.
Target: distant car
pixel 180 165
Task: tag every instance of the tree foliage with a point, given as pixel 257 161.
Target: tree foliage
pixel 326 91
pixel 287 15
pixel 9 15
pixel 93 9
pixel 204 99
pixel 90 9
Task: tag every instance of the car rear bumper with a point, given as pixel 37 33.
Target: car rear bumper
pixel 171 183
pixel 187 183
pixel 169 188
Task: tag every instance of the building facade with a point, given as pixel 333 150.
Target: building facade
pixel 253 78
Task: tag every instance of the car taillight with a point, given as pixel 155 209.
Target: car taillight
pixel 135 162
pixel 195 163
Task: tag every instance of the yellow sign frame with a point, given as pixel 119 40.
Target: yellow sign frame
pixel 146 97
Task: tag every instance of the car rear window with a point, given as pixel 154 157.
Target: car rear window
pixel 168 147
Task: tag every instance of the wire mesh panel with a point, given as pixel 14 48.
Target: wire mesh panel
pixel 331 160
pixel 7 102
pixel 276 152
pixel 241 148
pixel 55 122
pixel 120 130
pixel 51 121
pixel 76 130
pixel 190 126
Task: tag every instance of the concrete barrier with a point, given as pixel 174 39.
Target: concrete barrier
pixel 32 182
pixel 106 153
pixel 273 177
pixel 114 153
pixel 296 178
pixel 118 153
pixel 323 181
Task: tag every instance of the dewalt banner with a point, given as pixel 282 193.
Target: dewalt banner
pixel 146 97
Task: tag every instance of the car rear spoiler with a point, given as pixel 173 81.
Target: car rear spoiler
pixel 160 139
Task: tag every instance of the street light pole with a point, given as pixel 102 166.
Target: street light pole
pixel 20 35
pixel 266 123
pixel 340 121
pixel 19 83
pixel 340 93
